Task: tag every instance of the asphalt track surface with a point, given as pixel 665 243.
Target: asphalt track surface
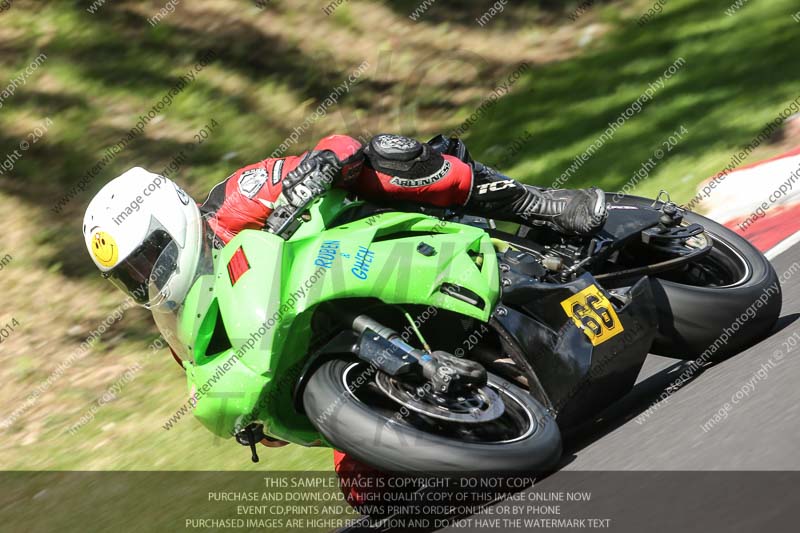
pixel 665 455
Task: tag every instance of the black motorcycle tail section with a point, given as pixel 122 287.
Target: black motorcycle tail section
pixel 579 378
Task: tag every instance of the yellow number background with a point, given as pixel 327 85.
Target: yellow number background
pixel 593 313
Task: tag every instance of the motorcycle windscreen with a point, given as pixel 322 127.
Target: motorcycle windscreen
pixel 168 287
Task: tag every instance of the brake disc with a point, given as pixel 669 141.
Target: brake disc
pixel 480 405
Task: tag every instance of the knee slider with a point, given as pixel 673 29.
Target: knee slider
pixel 409 162
pixel 394 151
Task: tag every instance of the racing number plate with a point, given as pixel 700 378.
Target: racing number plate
pixel 593 313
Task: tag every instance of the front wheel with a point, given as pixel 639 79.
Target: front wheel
pixel 344 402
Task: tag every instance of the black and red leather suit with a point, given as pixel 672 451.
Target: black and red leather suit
pixel 247 197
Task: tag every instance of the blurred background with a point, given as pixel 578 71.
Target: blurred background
pixel 201 87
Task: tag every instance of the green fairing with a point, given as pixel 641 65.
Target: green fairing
pixel 267 312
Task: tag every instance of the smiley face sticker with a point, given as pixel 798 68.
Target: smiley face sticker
pixel 104 248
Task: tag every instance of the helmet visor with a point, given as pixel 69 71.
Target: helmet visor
pixel 165 267
pixel 133 275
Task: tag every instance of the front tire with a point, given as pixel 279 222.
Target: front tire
pixel 365 424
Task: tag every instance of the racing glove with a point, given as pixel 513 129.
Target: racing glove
pixel 313 177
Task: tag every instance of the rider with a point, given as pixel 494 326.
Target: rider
pixel 396 168
pixel 140 217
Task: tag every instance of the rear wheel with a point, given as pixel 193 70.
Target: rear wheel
pixel 344 402
pixel 723 302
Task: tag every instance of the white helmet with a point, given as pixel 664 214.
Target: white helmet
pixel 147 236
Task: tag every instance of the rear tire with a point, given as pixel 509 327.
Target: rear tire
pixel 693 319
pixel 389 443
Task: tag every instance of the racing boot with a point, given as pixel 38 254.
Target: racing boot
pixel 568 211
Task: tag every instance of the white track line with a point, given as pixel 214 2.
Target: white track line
pixel 782 246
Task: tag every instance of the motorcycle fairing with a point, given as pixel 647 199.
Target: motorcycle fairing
pixel 397 258
pixel 580 379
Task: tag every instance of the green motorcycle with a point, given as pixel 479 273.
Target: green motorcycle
pixel 430 341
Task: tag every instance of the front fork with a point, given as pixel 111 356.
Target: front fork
pixel 384 348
